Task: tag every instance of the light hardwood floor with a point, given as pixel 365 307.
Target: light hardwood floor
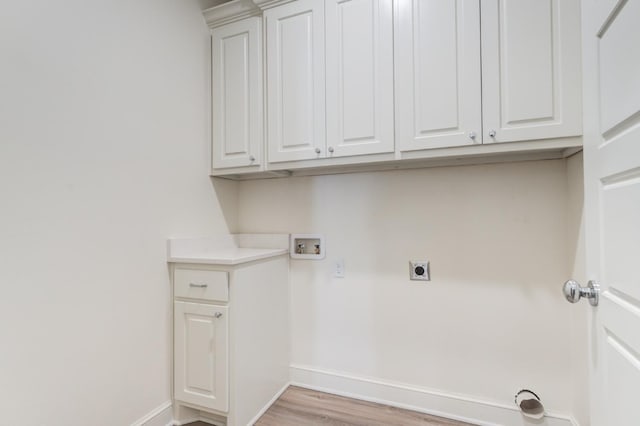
pixel 304 407
pixel 299 406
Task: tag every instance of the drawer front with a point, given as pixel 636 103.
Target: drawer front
pixel 197 284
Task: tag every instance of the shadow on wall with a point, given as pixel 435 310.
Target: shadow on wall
pixel 226 194
pixel 577 270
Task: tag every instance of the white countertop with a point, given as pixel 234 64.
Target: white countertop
pixel 228 249
pixel 228 256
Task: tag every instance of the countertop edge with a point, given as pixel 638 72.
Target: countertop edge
pixel 213 260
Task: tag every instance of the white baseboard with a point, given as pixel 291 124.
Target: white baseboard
pixel 160 416
pixel 268 404
pixel 429 401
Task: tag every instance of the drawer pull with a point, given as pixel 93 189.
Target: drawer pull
pixel 217 314
pixel 198 285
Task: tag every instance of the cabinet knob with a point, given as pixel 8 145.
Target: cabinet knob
pixel 318 151
pixel 492 133
pixel 252 158
pixel 330 149
pixel 217 314
pixel 472 136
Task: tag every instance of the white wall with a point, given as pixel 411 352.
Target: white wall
pixel 103 156
pixel 491 321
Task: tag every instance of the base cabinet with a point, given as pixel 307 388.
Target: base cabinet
pixel 231 339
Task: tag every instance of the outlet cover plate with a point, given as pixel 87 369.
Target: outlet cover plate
pixel 419 270
pixel 338 268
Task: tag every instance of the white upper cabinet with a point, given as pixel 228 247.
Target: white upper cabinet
pixel 237 122
pixel 354 81
pixel 295 81
pixel 437 59
pixel 359 77
pixel 531 68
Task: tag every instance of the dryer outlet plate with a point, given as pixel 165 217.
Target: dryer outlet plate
pixel 419 270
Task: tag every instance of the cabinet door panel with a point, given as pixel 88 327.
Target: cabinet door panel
pixel 359 77
pixel 529 90
pixel 295 81
pixel 237 94
pixel 201 354
pixel 437 73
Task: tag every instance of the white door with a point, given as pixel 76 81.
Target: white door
pixel 359 57
pixel 612 199
pixel 295 81
pixel 201 355
pixel 530 69
pixel 437 48
pixel 237 94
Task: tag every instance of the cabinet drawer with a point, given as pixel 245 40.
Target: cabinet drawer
pixel 197 284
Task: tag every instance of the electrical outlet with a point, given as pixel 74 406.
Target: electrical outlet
pixel 419 270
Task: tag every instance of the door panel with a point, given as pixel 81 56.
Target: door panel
pixel 359 77
pixel 624 373
pixel 612 194
pixel 619 69
pixel 621 233
pixel 295 81
pixel 530 69
pixel 237 94
pixel 437 73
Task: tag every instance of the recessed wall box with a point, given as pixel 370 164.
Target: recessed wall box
pixel 307 246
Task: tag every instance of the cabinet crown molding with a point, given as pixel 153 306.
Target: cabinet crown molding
pixel 230 12
pixel 237 10
pixel 268 4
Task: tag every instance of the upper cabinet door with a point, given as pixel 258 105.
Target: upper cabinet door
pixel 531 69
pixel 237 127
pixel 295 81
pixel 359 46
pixel 437 73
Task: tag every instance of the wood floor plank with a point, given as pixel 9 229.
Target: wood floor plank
pixel 299 406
